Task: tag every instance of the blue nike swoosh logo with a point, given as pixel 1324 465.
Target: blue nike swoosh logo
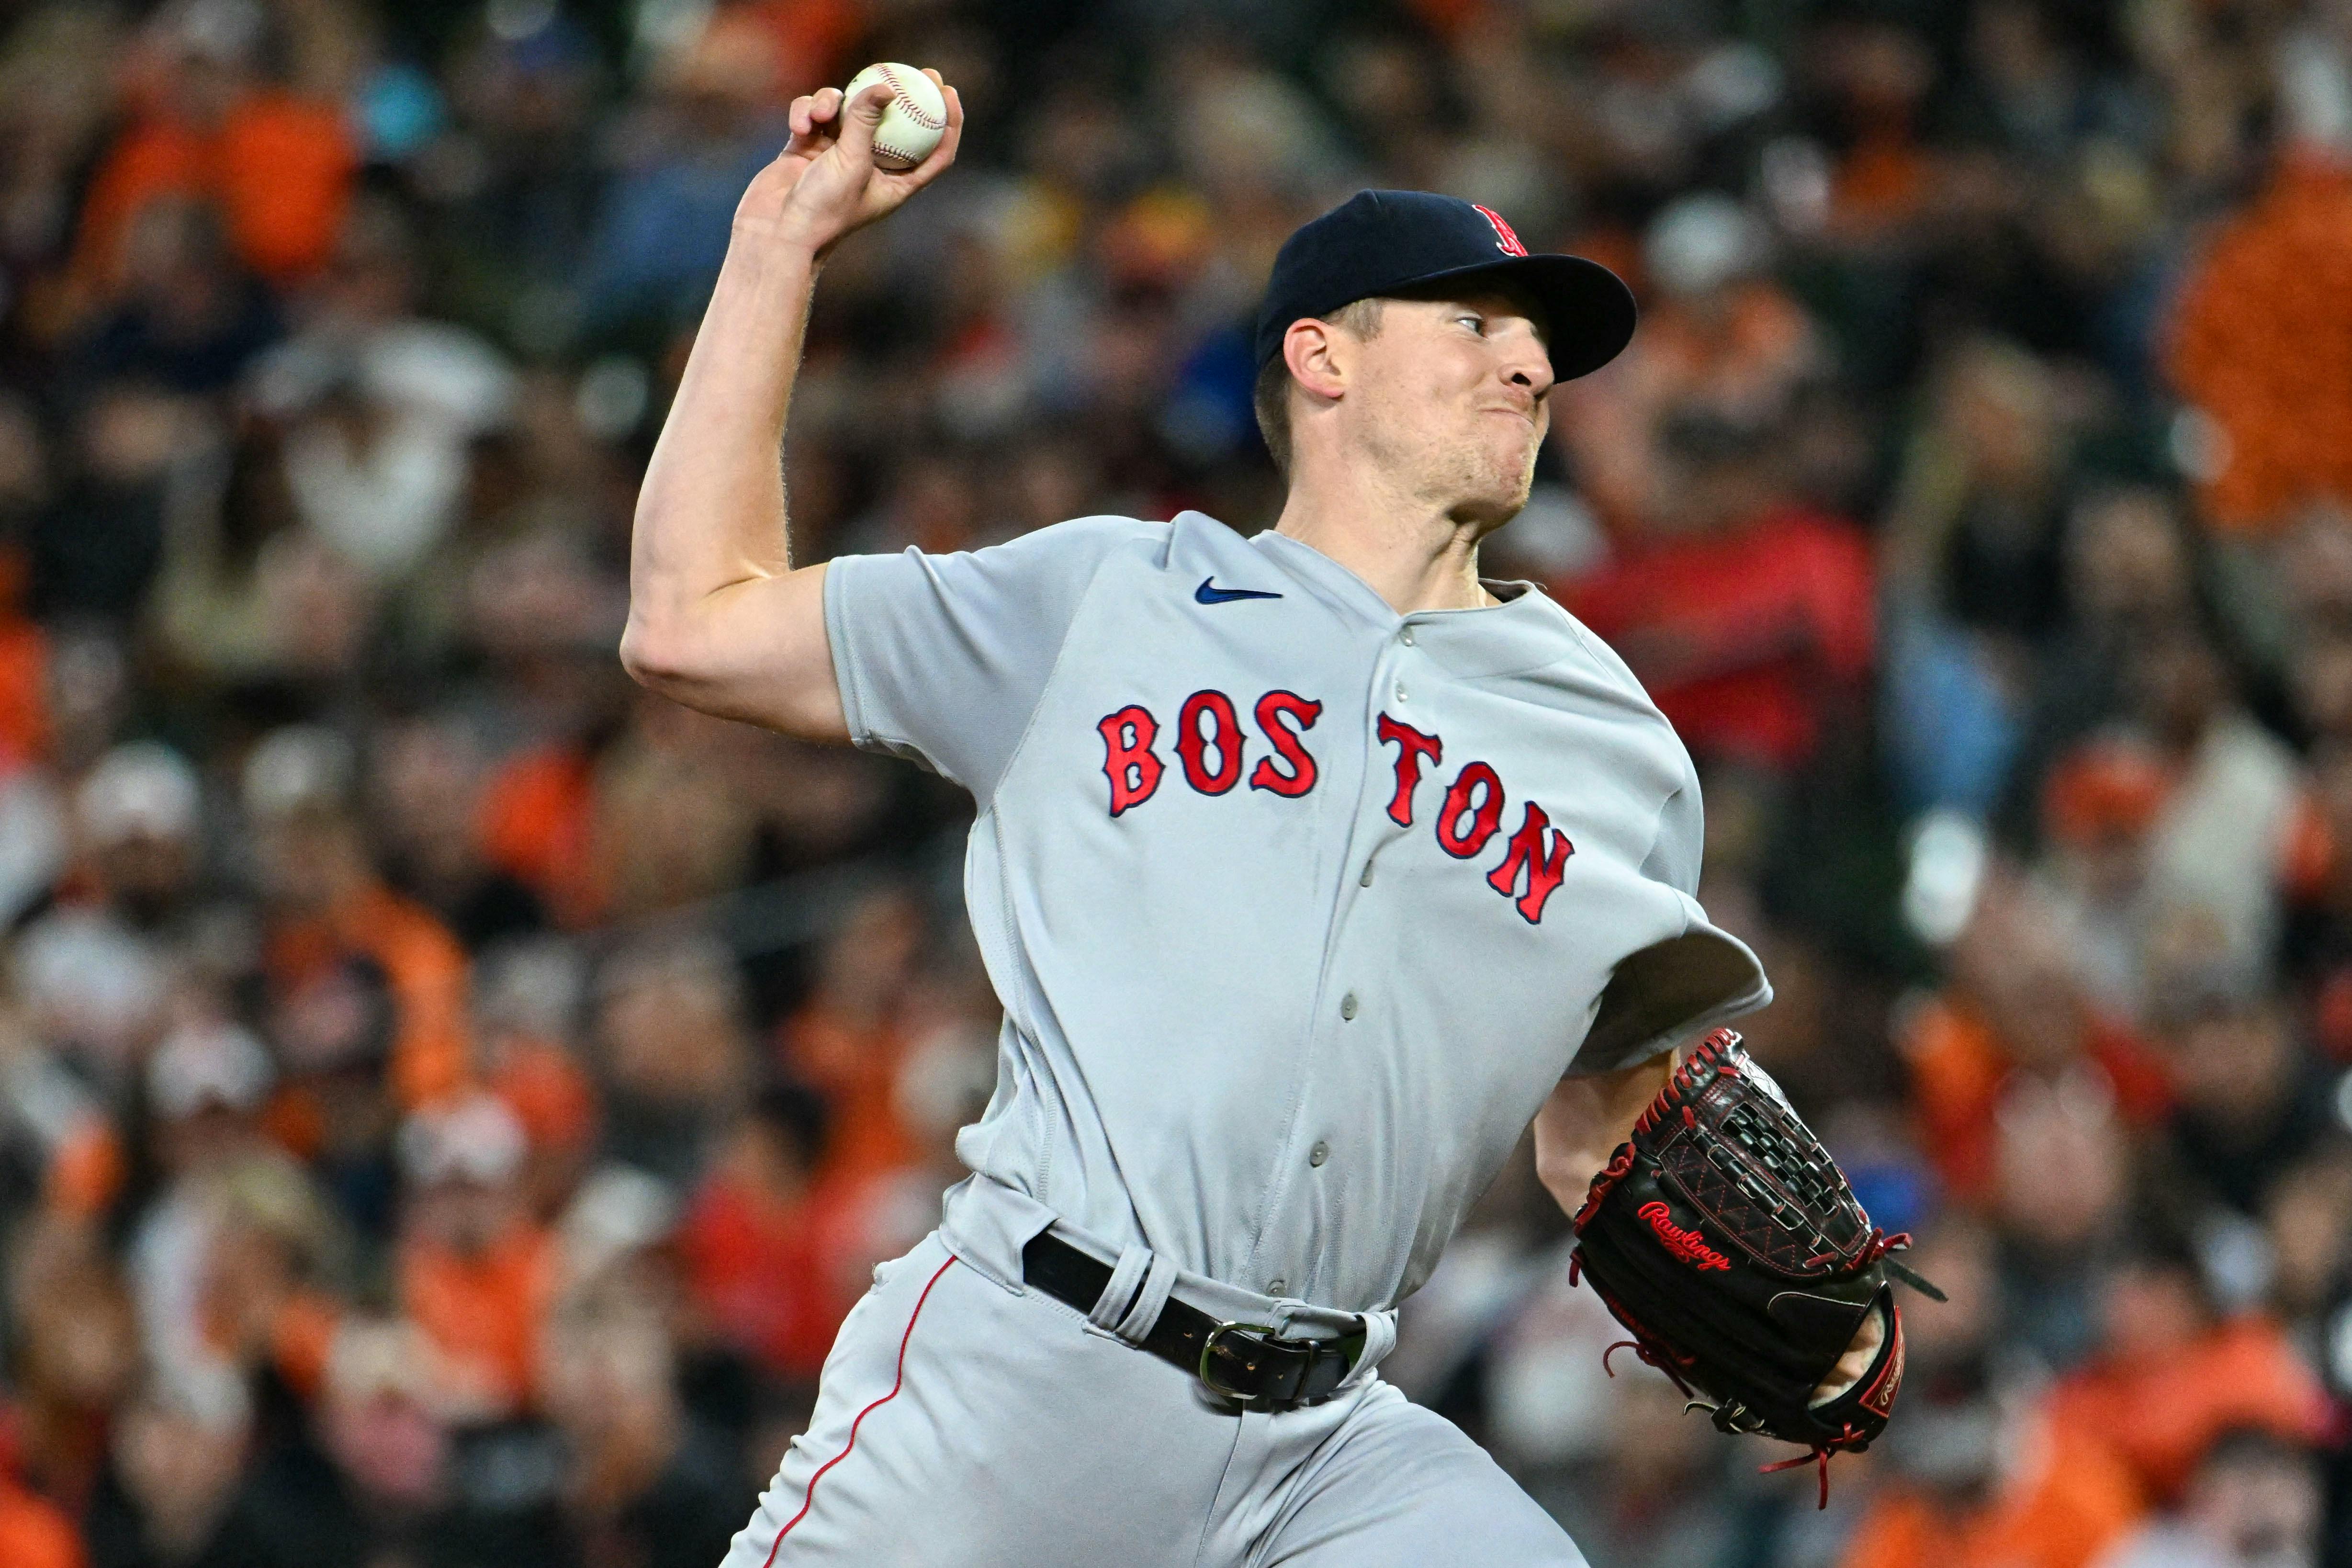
pixel 1208 593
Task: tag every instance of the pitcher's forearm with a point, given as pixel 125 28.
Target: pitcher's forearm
pixel 719 618
pixel 711 512
pixel 1585 1120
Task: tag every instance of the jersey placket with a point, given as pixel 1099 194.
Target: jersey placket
pixel 1289 1257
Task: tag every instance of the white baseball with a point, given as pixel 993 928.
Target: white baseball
pixel 912 122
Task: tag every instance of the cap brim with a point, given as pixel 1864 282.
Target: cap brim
pixel 1589 312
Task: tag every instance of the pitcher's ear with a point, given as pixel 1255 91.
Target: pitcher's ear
pixel 1319 364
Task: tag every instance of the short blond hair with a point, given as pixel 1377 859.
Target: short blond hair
pixel 1270 398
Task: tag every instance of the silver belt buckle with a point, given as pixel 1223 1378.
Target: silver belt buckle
pixel 1208 1349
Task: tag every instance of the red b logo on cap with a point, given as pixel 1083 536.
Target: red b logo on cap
pixel 1505 240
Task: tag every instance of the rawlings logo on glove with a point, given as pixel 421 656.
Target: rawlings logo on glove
pixel 1687 1244
pixel 1880 1396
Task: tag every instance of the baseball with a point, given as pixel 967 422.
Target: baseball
pixel 914 119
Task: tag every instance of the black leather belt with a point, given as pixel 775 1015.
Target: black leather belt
pixel 1248 1364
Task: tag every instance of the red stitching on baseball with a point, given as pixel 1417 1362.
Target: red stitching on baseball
pixel 809 1499
pixel 908 106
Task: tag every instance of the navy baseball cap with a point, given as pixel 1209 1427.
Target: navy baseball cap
pixel 1382 242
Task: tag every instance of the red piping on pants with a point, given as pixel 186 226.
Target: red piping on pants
pixel 811 1497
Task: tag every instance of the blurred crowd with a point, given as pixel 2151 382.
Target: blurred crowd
pixel 448 1098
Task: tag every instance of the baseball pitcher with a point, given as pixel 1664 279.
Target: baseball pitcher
pixel 1311 868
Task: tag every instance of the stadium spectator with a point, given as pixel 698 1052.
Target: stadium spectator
pixel 331 917
pixel 97 965
pixel 2174 1373
pixel 754 1242
pixel 2014 1005
pixel 477 1273
pixel 209 123
pixel 2254 1499
pixel 1747 617
pixel 676 1061
pixel 649 1484
pixel 205 1086
pixel 665 225
pixel 1979 1473
pixel 849 1038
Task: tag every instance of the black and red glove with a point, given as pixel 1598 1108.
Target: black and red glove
pixel 1726 1241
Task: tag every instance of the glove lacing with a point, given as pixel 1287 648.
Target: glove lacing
pixel 1726 1417
pixel 1821 1455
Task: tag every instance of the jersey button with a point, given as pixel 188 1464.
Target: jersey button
pixel 1347 1007
pixel 1366 880
pixel 1317 1155
pixel 1407 637
pixel 1276 1287
pixel 1400 696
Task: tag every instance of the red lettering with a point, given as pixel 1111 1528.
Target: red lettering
pixel 1134 772
pixel 1224 733
pixel 1880 1396
pixel 1544 865
pixel 1413 749
pixel 1273 709
pixel 1485 815
pixel 1687 1245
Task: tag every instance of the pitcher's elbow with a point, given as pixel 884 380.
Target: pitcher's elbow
pixel 648 656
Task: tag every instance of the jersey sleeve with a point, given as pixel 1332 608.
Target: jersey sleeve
pixel 1673 858
pixel 942 659
pixel 1661 994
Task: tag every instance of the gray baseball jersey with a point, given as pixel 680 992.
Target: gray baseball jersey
pixel 1299 908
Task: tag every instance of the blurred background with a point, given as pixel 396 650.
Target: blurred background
pixel 448 1098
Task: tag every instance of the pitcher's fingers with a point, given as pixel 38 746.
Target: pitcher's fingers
pixel 935 163
pixel 812 119
pixel 861 119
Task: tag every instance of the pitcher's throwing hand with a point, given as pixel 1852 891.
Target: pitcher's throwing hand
pixel 827 182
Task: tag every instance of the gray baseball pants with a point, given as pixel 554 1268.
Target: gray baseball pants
pixel 966 1422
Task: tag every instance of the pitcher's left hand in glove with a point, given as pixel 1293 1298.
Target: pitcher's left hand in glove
pixel 1726 1241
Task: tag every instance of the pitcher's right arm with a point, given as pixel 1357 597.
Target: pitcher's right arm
pixel 720 619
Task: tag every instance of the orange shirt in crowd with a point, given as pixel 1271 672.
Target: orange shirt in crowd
pixel 549 1092
pixel 537 826
pixel 35 1533
pixel 2061 1512
pixel 86 1170
pixel 484 1313
pixel 425 967
pixel 1957 1066
pixel 2162 1417
pixel 855 1066
pixel 279 167
pixel 302 1339
pixel 2262 342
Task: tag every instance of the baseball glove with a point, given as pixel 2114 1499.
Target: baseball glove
pixel 1726 1241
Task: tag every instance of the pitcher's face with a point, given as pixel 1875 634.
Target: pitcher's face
pixel 1454 397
